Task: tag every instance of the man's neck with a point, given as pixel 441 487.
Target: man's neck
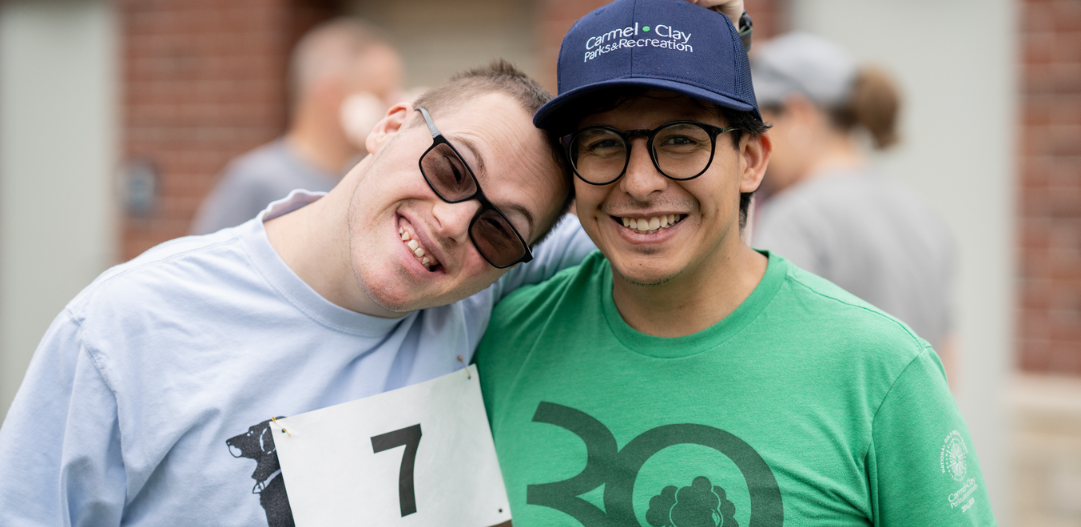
pixel 313 241
pixel 690 302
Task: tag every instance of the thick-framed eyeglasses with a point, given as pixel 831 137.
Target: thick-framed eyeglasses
pixel 680 150
pixel 454 182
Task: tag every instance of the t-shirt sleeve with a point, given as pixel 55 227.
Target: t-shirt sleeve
pixel 922 466
pixel 60 444
pixel 566 247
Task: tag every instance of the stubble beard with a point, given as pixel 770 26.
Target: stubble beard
pixel 651 283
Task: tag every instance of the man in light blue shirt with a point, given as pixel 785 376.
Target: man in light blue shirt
pixel 146 401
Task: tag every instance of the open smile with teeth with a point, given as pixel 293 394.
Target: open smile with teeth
pixel 651 225
pixel 425 259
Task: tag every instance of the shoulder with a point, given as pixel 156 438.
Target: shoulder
pixel 263 156
pixel 529 304
pixel 168 277
pixel 264 163
pixel 821 196
pixel 845 322
pixel 520 318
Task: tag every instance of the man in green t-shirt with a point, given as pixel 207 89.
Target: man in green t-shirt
pixel 678 377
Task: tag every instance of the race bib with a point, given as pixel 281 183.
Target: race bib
pixel 417 456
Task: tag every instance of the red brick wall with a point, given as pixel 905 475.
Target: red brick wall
pixel 1049 207
pixel 557 16
pixel 204 80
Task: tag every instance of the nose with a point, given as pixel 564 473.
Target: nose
pixel 642 178
pixel 452 219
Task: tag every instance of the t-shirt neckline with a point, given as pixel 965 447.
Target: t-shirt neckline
pixel 702 341
pixel 296 290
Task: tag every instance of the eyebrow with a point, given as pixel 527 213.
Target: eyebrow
pixel 481 169
pixel 472 148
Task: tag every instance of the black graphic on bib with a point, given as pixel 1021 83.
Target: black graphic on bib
pixel 617 469
pixel 258 444
pixel 700 505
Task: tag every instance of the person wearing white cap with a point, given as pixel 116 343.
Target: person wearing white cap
pixel 829 210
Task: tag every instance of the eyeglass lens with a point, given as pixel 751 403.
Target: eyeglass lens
pixel 681 150
pixel 447 174
pixel 492 234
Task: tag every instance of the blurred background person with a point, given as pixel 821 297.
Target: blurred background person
pixel 826 208
pixel 343 75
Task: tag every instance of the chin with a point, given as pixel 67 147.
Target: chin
pixel 397 302
pixel 652 278
pixel 387 290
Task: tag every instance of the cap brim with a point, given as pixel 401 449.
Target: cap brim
pixel 552 116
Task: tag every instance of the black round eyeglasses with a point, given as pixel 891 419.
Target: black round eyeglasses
pixel 680 150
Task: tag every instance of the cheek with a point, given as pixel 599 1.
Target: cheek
pixel 477 275
pixel 587 197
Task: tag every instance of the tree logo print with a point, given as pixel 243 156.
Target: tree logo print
pixel 700 505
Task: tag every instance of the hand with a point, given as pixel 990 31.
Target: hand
pixel 730 8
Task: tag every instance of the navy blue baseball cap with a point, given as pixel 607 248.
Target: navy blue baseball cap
pixel 671 45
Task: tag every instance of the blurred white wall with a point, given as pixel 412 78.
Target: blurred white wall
pixel 955 60
pixel 59 86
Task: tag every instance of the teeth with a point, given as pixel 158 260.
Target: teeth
pixel 425 259
pixel 651 225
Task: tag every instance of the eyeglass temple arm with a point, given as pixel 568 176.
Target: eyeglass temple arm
pixel 428 121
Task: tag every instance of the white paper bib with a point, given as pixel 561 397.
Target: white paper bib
pixel 417 456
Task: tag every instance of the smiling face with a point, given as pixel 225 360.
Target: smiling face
pixel 653 229
pixel 411 250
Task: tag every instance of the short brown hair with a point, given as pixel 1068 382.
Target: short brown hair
pixel 501 76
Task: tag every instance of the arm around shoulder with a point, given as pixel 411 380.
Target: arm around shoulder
pixel 565 247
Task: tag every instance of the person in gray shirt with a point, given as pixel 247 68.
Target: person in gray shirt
pixel 343 77
pixel 827 210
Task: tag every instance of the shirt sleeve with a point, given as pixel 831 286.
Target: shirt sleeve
pixel 60 444
pixel 566 247
pixel 922 466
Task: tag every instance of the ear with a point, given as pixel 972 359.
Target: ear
pixel 754 156
pixel 391 124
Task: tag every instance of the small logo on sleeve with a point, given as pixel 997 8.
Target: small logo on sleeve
pixel 954 456
pixel 953 460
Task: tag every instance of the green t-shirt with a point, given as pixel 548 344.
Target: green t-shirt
pixel 805 406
